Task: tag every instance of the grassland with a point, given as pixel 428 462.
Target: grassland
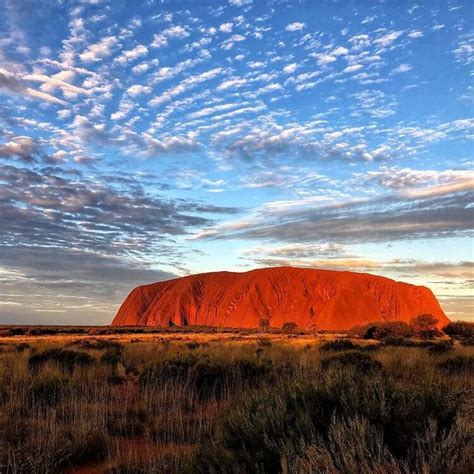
pixel 232 401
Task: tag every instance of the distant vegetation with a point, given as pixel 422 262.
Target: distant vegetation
pixel 275 403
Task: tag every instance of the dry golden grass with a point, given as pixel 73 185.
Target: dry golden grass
pixel 211 402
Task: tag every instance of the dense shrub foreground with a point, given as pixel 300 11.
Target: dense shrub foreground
pixel 228 407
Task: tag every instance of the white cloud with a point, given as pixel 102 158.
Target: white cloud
pixel 296 26
pixel 176 32
pixel 290 68
pixel 353 68
pixel 231 83
pixel 138 89
pixel 159 41
pixel 49 84
pixel 226 27
pixel 211 110
pixel 240 3
pixel 274 86
pixel 339 51
pixel 402 68
pixel 140 68
pixel 132 54
pixel 388 39
pixel 100 50
pixel 323 59
pixel 415 34
pixel 184 86
pixel 229 43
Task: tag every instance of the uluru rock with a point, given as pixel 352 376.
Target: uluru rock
pixel 330 300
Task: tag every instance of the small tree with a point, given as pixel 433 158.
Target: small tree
pixel 289 327
pixel 425 324
pixel 264 324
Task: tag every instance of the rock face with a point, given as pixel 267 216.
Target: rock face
pixel 325 299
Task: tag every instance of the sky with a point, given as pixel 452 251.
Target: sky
pixel 141 141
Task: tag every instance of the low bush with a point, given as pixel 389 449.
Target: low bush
pixel 16 332
pixel 383 330
pixel 442 347
pixel 111 357
pixel 457 364
pixel 129 423
pixel 46 392
pixel 339 345
pixel 461 330
pixel 208 376
pixel 352 360
pixel 289 327
pixel 264 342
pixel 22 346
pixel 193 345
pixel 65 358
pixel 274 428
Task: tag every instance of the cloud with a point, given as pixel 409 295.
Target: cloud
pixel 23 148
pixel 226 27
pixel 290 68
pixel 132 54
pixel 324 59
pixel 49 84
pixel 382 219
pixel 401 69
pixel 413 183
pixel 16 85
pixel 388 39
pixel 353 68
pixel 464 51
pixel 339 51
pixel 46 209
pixel 212 110
pixel 177 31
pixel 184 86
pixel 231 83
pixel 240 3
pixel 296 26
pixel 100 50
pixel 138 89
pixel 67 286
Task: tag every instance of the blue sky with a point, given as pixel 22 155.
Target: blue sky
pixel 144 140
